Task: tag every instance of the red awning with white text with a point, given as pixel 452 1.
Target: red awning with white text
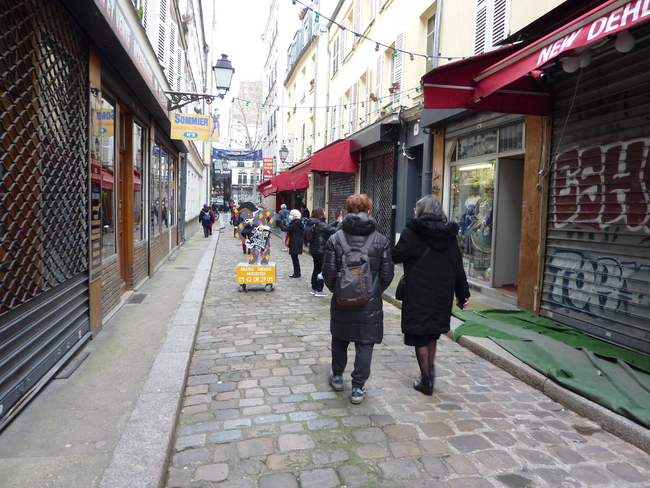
pixel 611 17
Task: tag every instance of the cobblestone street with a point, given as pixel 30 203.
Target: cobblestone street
pixel 259 412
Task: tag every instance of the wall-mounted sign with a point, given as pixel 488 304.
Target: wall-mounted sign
pixel 268 168
pixel 191 127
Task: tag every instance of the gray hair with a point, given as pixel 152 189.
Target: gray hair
pixel 283 206
pixel 430 205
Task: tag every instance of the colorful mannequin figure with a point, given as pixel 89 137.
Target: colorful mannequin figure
pixel 261 218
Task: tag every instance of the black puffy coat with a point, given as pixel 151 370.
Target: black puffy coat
pixel 431 285
pixel 295 228
pixel 364 324
pixel 321 232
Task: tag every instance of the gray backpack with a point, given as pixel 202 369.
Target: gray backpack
pixel 354 281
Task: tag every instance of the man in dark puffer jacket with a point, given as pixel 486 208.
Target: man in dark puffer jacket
pixel 363 325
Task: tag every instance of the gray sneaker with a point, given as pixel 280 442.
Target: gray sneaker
pixel 358 394
pixel 336 380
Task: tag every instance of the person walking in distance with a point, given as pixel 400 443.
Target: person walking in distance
pixel 284 216
pixel 361 324
pixel 316 234
pixel 295 229
pixel 206 219
pixel 433 268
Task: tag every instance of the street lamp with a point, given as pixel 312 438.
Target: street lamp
pixel 223 72
pixel 284 153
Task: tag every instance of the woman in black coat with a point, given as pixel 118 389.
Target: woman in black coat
pixel 433 267
pixel 295 229
pixel 317 231
pixel 363 325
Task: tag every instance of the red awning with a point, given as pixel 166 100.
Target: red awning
pixel 336 157
pixel 268 186
pixel 453 86
pixel 609 18
pixel 137 182
pixel 107 180
pixel 288 182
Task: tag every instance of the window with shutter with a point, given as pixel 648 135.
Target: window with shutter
pixel 335 55
pixel 339 118
pixel 480 27
pixel 499 24
pixel 371 10
pixel 181 74
pixel 171 71
pixel 366 98
pixel 431 42
pixel 357 19
pixel 398 68
pixel 342 44
pixel 378 75
pixel 354 100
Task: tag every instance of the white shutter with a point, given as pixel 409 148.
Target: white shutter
pixel 371 10
pixel 366 109
pixel 339 119
pixel 171 54
pixel 357 19
pixel 399 68
pixel 382 4
pixel 291 146
pixel 342 44
pixel 181 73
pixel 499 22
pixel 335 55
pixel 162 32
pixel 354 99
pixel 333 126
pixel 377 104
pixel 480 27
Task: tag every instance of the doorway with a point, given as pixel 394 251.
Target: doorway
pixel 507 224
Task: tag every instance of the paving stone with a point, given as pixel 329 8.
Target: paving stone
pixel 293 442
pixel 371 451
pixel 353 475
pixel 556 477
pixel 591 475
pixel 319 478
pixel 402 469
pixel 495 459
pixel 469 483
pixel 191 457
pixel 536 457
pixel 434 446
pixel 461 464
pixel 469 443
pixel 404 449
pixel 255 447
pixel 322 424
pixel 546 437
pixel 626 472
pixel 434 467
pixel 321 457
pixel 284 480
pixel 566 455
pixel 436 429
pixel 228 435
pixel 597 453
pixel 401 432
pixel 369 435
pixel 183 443
pixel 212 472
pixel 516 481
pixel 469 425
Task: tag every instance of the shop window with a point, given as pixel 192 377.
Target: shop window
pixel 105 149
pixel 477 145
pixel 138 182
pixel 164 188
pixel 171 199
pixel 472 200
pixel 512 137
pixel 155 189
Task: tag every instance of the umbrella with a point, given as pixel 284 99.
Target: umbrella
pixel 247 207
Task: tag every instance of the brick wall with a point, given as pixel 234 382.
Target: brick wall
pixel 111 283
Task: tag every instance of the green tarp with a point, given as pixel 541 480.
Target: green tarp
pixel 611 376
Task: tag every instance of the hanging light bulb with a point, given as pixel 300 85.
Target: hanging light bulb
pixel 585 58
pixel 571 64
pixel 624 42
pixel 411 56
pixel 377 47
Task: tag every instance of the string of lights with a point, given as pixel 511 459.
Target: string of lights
pixel 412 55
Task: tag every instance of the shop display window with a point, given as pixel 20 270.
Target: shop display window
pixel 472 201
pixel 105 152
pixel 155 189
pixel 139 226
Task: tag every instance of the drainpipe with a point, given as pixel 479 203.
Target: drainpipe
pixel 436 41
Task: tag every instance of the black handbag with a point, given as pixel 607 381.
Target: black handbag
pixel 401 285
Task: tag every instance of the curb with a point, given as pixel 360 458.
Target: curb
pixel 141 457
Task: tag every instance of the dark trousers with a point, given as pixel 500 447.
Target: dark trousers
pixel 362 360
pixel 206 231
pixel 296 264
pixel 317 284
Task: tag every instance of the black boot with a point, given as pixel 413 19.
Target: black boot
pixel 432 375
pixel 424 385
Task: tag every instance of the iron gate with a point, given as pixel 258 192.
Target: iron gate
pixel 44 189
pixel 377 166
pixel 319 190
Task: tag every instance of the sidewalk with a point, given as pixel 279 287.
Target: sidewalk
pixel 257 410
pixel 111 422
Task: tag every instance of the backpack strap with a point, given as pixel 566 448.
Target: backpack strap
pixel 343 240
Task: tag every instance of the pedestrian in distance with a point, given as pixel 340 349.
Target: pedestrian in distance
pixel 284 216
pixel 361 324
pixel 295 229
pixel 214 219
pixel 316 234
pixel 207 219
pixel 433 268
